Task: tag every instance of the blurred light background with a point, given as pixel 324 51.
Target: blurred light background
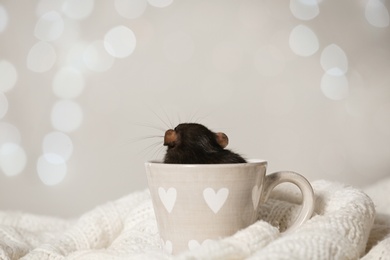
pixel 87 89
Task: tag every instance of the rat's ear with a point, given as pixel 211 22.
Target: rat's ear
pixel 222 139
pixel 170 137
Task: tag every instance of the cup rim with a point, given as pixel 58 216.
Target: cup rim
pixel 249 162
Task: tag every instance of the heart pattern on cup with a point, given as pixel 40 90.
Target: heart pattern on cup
pixel 168 198
pixel 194 244
pixel 215 200
pixel 256 191
pixel 167 246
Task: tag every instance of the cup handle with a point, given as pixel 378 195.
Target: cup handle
pixel 303 184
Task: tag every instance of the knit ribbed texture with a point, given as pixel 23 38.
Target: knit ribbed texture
pixel 344 226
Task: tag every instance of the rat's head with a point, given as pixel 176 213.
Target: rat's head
pixel 191 140
pixel 192 135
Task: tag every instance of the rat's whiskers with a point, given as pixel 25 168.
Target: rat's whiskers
pixel 149 125
pixel 141 138
pixel 157 152
pixel 150 148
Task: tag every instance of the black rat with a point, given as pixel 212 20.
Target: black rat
pixel 192 143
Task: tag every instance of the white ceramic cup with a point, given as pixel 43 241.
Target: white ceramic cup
pixel 200 202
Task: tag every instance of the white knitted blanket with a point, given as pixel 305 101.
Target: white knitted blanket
pixel 344 226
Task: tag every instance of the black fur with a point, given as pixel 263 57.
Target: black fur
pixel 196 144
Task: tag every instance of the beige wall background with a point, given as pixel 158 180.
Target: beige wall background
pixel 87 89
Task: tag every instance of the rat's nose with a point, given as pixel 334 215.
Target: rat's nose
pixel 170 137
